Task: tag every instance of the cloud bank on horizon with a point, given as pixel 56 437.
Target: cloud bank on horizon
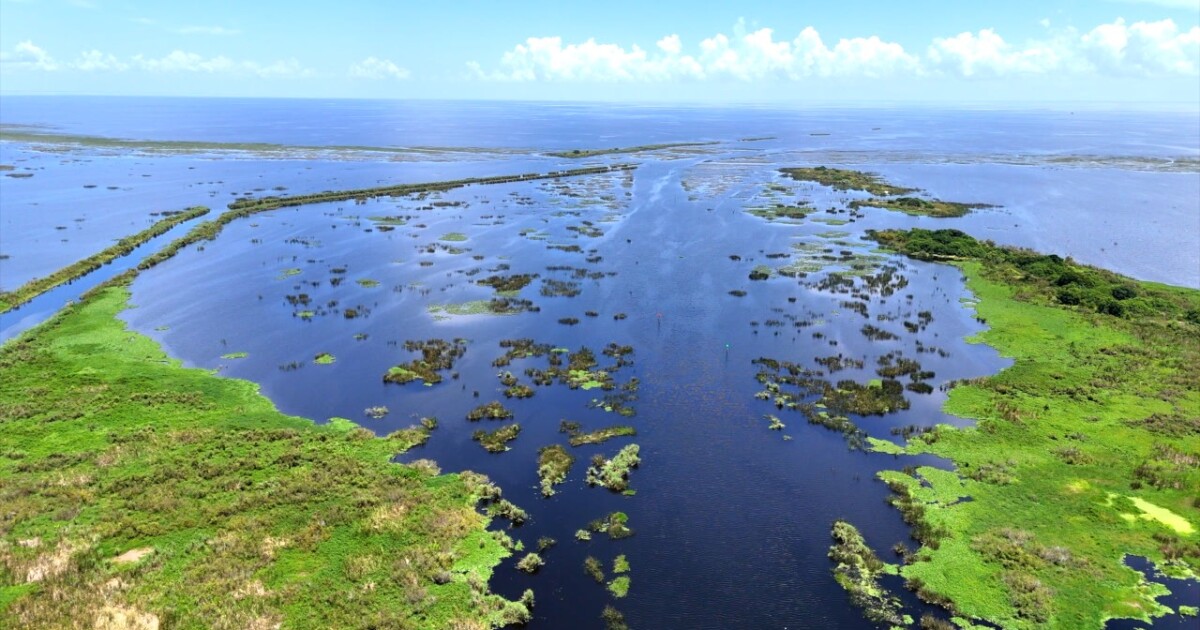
pixel 1118 48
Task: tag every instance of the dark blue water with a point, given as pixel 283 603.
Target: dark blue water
pixel 732 520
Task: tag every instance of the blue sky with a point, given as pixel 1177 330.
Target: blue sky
pixel 796 51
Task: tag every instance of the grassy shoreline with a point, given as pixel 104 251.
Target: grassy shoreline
pixel 134 486
pixel 26 292
pixel 1084 451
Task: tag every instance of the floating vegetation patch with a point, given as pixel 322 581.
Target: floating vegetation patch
pixel 494 306
pixel 578 438
pixel 367 283
pixel 508 284
pixel 531 562
pixel 554 462
pixel 235 355
pixel 619 587
pixel 843 179
pixel 613 473
pixel 858 570
pixel 375 413
pixel 453 237
pixel 324 358
pixel 616 525
pixel 594 568
pixel 491 411
pixel 288 273
pixel 559 288
pixel 920 207
pixel 761 272
pixel 496 441
pixel 793 215
pixel 389 221
pixel 437 355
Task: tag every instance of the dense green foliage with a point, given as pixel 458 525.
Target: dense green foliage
pixel 135 488
pixel 37 286
pixel 1085 450
pixel 857 569
pixel 844 179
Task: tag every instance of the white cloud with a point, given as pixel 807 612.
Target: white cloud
pixel 219 31
pixel 94 60
pixel 181 61
pixel 26 55
pixel 1118 48
pixel 375 68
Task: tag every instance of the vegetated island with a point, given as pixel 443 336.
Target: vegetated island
pixel 586 153
pixel 12 299
pixel 1085 451
pixel 886 195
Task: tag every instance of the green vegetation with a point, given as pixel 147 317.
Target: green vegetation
pixel 37 286
pixel 1084 451
pixel 857 569
pixel 135 488
pixel 613 473
pixel 497 441
pixel 619 587
pixel 598 436
pixel 585 153
pixel 594 568
pixel 781 213
pixel 621 564
pixel 324 358
pixel 508 284
pixel 531 563
pixel 492 411
pixel 919 207
pixel 437 355
pixel 260 204
pixel 615 525
pixel 235 355
pixel 613 619
pixel 841 179
pixel 554 462
pixel 454 237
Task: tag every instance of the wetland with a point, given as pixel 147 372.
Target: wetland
pixel 767 344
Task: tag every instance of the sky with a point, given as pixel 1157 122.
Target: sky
pixel 1018 51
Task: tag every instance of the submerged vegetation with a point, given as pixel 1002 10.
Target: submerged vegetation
pixel 138 489
pixel 12 299
pixel 1084 450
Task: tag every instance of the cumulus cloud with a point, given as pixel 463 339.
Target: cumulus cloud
pixel 27 56
pixel 376 68
pixel 1117 48
pixel 181 61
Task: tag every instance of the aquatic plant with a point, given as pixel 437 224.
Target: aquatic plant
pixel 857 569
pixel 497 441
pixel 531 563
pixel 615 525
pixel 324 358
pixel 554 462
pixel 578 438
pixel 594 568
pixel 437 355
pixel 492 411
pixel 619 587
pixel 843 179
pixel 613 473
pixel 613 619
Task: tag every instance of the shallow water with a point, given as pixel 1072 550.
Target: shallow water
pixel 732 520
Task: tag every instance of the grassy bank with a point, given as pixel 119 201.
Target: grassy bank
pixel 12 299
pixel 1085 450
pixel 258 204
pixel 586 153
pixel 137 489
